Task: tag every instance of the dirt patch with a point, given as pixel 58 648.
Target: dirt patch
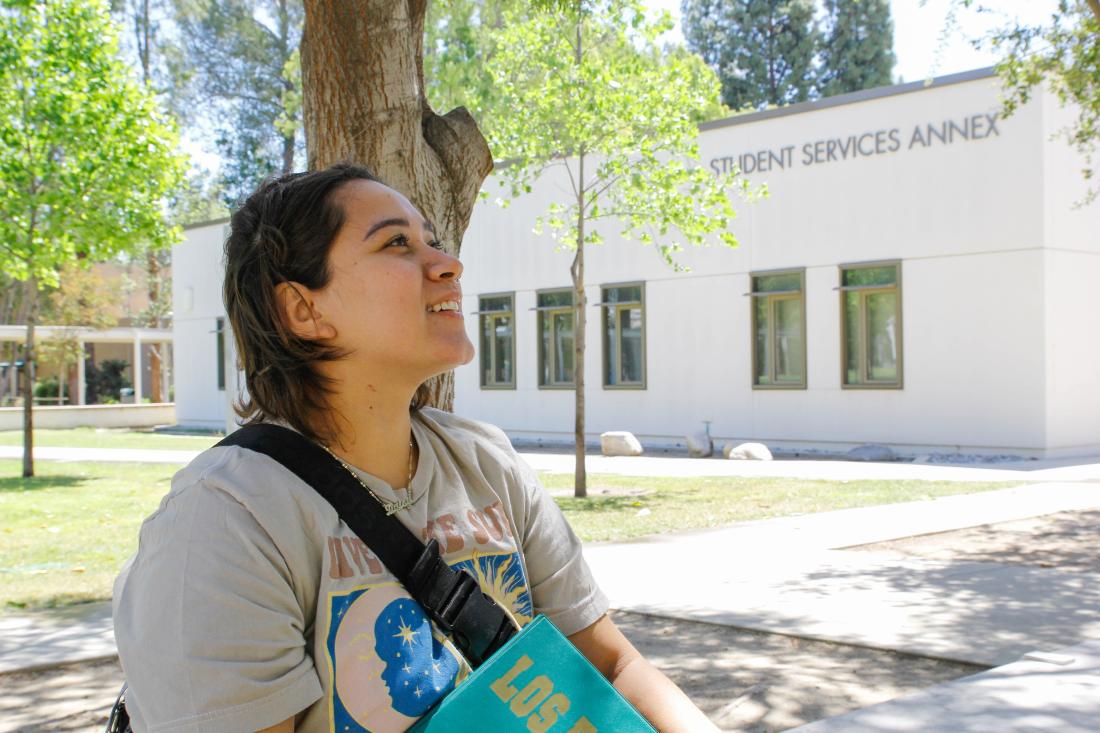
pixel 744 680
pixel 759 683
pixel 1066 541
pixel 61 700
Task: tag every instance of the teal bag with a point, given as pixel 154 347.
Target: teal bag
pixel 536 683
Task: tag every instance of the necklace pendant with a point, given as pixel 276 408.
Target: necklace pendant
pixel 393 507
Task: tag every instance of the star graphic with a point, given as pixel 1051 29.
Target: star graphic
pixel 435 667
pixel 406 634
pixel 407 669
pixel 418 692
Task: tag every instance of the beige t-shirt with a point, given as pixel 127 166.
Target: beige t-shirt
pixel 249 600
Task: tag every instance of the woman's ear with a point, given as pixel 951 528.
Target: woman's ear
pixel 298 309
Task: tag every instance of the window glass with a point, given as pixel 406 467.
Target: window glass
pixel 886 275
pixel 779 339
pixel 872 327
pixel 562 298
pixel 563 348
pixel 780 281
pixel 219 330
pixel 497 341
pixel 623 335
pixel 762 352
pixel 788 340
pixel 630 336
pixel 852 329
pixel 882 342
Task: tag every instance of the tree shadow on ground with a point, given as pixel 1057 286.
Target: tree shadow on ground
pixel 37 483
pixel 758 682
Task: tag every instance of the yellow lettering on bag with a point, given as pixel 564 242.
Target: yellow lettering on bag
pixel 547 715
pixel 583 726
pixel 503 686
pixel 530 696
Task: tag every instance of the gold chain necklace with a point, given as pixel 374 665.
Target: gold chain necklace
pixel 390 507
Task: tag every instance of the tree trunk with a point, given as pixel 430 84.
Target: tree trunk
pixel 363 101
pixel 580 476
pixel 28 380
pixel 152 283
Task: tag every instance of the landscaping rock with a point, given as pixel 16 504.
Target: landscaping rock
pixel 619 443
pixel 699 445
pixel 871 453
pixel 747 452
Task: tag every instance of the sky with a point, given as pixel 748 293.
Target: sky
pixel 918 27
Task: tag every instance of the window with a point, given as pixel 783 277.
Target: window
pixel 870 302
pixel 555 325
pixel 498 343
pixel 219 336
pixel 623 336
pixel 779 330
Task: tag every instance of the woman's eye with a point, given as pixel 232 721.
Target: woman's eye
pixel 436 244
pixel 399 241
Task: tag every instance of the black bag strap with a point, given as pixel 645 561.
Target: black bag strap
pixel 451 598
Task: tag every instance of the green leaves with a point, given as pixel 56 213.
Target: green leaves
pixel 594 85
pixel 86 159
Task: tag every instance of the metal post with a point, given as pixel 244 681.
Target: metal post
pixel 81 387
pixel 136 367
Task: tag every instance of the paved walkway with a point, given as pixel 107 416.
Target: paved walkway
pixel 1067 469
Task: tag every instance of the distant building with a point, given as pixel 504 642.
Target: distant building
pixel 919 277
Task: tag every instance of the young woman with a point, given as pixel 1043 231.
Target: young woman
pixel 249 604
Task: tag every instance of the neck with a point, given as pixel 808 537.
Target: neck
pixel 373 429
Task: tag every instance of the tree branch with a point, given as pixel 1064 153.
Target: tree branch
pixel 1095 6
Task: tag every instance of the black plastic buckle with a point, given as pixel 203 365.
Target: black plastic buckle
pixel 454 601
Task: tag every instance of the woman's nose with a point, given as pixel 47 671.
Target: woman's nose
pixel 444 266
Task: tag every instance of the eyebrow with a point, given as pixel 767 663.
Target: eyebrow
pixel 396 222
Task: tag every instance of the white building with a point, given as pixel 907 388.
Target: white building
pixel 919 277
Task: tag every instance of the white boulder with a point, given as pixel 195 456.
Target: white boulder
pixel 871 452
pixel 619 443
pixel 747 452
pixel 699 445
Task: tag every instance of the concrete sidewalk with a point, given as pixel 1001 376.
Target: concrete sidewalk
pixel 1040 692
pixel 784 576
pixel 1075 469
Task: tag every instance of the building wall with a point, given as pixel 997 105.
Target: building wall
pixel 962 216
pixel 196 306
pixel 996 270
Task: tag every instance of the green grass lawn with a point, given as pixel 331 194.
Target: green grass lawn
pixel 110 438
pixel 65 533
pixel 639 506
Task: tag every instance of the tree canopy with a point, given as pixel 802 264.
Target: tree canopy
pixel 857 46
pixel 600 99
pixel 86 158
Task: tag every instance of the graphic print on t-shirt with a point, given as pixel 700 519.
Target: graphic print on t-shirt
pixel 388 665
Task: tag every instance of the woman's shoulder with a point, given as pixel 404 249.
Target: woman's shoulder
pixel 465 428
pixel 232 476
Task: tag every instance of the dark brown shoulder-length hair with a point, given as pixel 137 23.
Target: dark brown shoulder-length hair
pixel 283 232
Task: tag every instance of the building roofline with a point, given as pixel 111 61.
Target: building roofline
pixel 850 98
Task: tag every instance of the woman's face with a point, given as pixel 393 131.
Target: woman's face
pixel 387 273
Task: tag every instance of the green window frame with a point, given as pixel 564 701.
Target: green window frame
pixel 497 340
pixel 556 318
pixel 779 329
pixel 622 311
pixel 871 326
pixel 219 348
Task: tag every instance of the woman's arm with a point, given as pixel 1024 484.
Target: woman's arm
pixel 655 695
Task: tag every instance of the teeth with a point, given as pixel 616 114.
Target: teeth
pixel 450 305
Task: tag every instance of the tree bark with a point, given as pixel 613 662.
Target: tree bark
pixel 1094 5
pixel 28 379
pixel 152 283
pixel 580 475
pixel 363 101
